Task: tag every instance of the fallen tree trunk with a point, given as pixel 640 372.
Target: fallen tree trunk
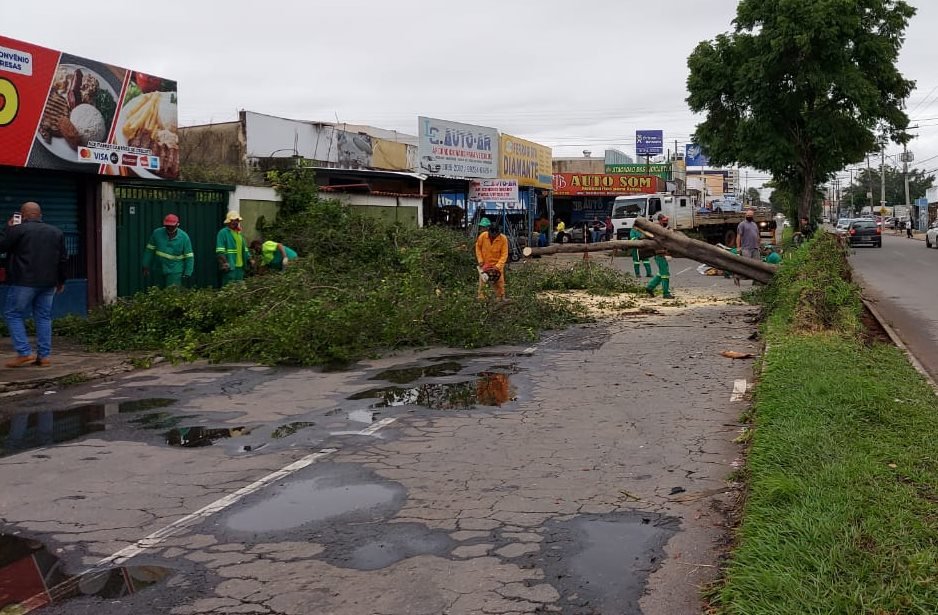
pixel 680 244
pixel 602 246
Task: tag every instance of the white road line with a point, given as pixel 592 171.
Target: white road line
pixel 683 271
pixel 181 524
pixel 371 429
pixel 739 390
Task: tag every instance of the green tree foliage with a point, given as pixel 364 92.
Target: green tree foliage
pixel 869 181
pixel 297 189
pixel 800 88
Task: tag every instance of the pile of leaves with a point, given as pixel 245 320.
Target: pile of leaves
pixel 360 288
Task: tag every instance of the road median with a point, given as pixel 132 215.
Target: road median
pixel 842 508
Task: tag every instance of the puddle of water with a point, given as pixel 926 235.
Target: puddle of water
pixel 161 420
pixel 307 501
pixel 405 375
pixel 363 416
pixel 21 432
pixel 289 429
pixel 31 577
pixel 192 437
pixel 139 405
pixel 489 389
pixel 616 559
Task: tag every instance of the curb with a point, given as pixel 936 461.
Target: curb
pixel 900 344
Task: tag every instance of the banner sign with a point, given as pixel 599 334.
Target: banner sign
pixel 694 156
pixel 649 142
pixel 601 184
pixel 451 149
pixel 64 112
pixel 661 170
pixel 494 191
pixel 528 162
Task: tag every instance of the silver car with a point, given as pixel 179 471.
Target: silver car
pixel 931 235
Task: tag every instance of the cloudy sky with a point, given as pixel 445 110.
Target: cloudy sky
pixel 572 75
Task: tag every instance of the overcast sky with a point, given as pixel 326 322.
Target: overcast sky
pixel 574 75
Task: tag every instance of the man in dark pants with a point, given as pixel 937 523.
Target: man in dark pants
pixel 36 257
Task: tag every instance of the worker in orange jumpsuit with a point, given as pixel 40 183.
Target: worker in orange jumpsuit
pixel 491 255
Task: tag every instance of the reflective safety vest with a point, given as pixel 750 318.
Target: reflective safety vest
pixel 233 247
pixel 272 257
pixel 173 254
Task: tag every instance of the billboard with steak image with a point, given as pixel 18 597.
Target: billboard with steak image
pixel 64 112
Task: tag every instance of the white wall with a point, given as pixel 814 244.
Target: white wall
pixel 251 193
pixel 108 206
pixel 374 200
pixel 267 134
pixel 932 195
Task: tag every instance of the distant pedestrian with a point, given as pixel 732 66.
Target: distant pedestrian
pixel 747 236
pixel 272 255
pixel 807 229
pixel 542 226
pixel 560 229
pixel 910 227
pixel 231 250
pixel 637 260
pixel 597 229
pixel 610 229
pixel 37 259
pixel 170 249
pixel 664 270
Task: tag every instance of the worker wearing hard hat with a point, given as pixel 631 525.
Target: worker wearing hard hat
pixel 231 250
pixel 169 252
pixel 637 260
pixel 491 256
pixel 274 256
pixel 664 271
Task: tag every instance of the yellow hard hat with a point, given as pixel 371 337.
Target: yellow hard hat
pixel 232 215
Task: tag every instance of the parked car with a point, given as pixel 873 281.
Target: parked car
pixel 842 226
pixel 931 235
pixel 865 232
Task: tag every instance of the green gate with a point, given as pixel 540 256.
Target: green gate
pixel 141 208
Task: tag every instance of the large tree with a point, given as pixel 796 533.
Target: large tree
pixel 802 88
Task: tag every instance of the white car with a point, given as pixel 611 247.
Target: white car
pixel 931 236
pixel 842 225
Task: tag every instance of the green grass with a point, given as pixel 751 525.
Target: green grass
pixel 842 512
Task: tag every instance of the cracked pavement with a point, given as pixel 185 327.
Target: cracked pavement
pixel 599 486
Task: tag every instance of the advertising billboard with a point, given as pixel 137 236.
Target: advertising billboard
pixel 649 142
pixel 451 149
pixel 661 170
pixel 525 161
pixel 694 156
pixel 64 112
pixel 493 191
pixel 601 184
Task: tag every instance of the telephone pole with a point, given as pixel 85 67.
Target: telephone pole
pixel 882 178
pixel 869 181
pixel 907 157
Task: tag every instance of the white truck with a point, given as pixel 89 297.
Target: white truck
pixel 714 225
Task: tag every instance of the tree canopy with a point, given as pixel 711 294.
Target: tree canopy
pixel 919 182
pixel 801 88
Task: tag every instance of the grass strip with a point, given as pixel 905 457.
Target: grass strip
pixel 842 513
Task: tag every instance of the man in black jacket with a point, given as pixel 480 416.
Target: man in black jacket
pixel 36 258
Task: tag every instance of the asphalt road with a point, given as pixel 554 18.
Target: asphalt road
pixel 583 474
pixel 902 279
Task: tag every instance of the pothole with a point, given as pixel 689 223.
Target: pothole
pixel 192 437
pixel 487 389
pixel 408 374
pixel 601 563
pixel 338 493
pixel 31 577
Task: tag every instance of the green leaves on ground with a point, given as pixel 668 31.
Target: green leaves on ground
pixel 842 511
pixel 360 288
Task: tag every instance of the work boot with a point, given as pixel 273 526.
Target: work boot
pixel 668 296
pixel 650 291
pixel 44 362
pixel 21 361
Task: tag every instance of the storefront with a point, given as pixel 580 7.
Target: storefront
pixel 68 124
pixel 581 197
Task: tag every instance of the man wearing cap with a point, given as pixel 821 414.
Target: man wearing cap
pixel 747 237
pixel 171 249
pixel 232 250
pixel 491 255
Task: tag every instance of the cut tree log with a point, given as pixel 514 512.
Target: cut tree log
pixel 660 238
pixel 700 251
pixel 602 246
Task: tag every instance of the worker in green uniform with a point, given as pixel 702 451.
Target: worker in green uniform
pixel 637 260
pixel 169 252
pixel 664 271
pixel 231 250
pixel 273 255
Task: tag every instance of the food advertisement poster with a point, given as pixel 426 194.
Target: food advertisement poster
pixel 64 112
pixel 493 191
pixel 601 184
pixel 528 162
pixel 451 149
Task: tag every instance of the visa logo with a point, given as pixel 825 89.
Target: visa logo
pixel 101 156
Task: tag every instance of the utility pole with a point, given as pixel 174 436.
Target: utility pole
pixel 882 178
pixel 869 181
pixel 906 159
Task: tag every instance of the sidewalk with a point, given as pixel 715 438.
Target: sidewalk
pixel 70 364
